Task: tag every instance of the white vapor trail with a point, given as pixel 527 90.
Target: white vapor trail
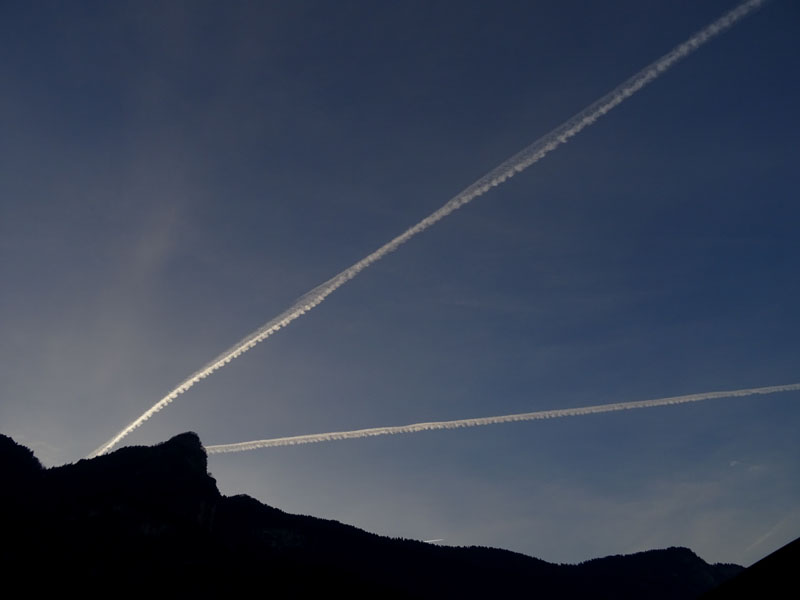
pixel 517 163
pixel 531 416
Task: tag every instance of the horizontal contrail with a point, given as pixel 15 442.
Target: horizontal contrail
pixel 531 416
pixel 517 163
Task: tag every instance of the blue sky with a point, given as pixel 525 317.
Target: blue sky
pixel 172 175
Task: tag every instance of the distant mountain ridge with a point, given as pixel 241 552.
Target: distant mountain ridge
pixel 145 518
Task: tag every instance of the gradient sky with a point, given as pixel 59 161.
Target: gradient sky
pixel 172 175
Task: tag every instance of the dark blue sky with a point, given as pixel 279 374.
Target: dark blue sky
pixel 172 175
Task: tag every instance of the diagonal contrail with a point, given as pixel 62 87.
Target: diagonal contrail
pixel 517 163
pixel 531 416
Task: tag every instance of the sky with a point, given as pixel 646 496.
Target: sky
pixel 173 175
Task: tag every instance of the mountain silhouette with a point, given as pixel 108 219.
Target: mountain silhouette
pixel 771 577
pixel 151 520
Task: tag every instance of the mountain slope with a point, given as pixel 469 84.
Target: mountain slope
pixel 771 577
pixel 145 518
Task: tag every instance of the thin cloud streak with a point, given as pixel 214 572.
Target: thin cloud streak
pixel 531 416
pixel 516 164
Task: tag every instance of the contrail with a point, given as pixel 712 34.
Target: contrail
pixel 531 416
pixel 517 163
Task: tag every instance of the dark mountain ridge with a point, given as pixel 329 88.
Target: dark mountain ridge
pixel 771 577
pixel 152 516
